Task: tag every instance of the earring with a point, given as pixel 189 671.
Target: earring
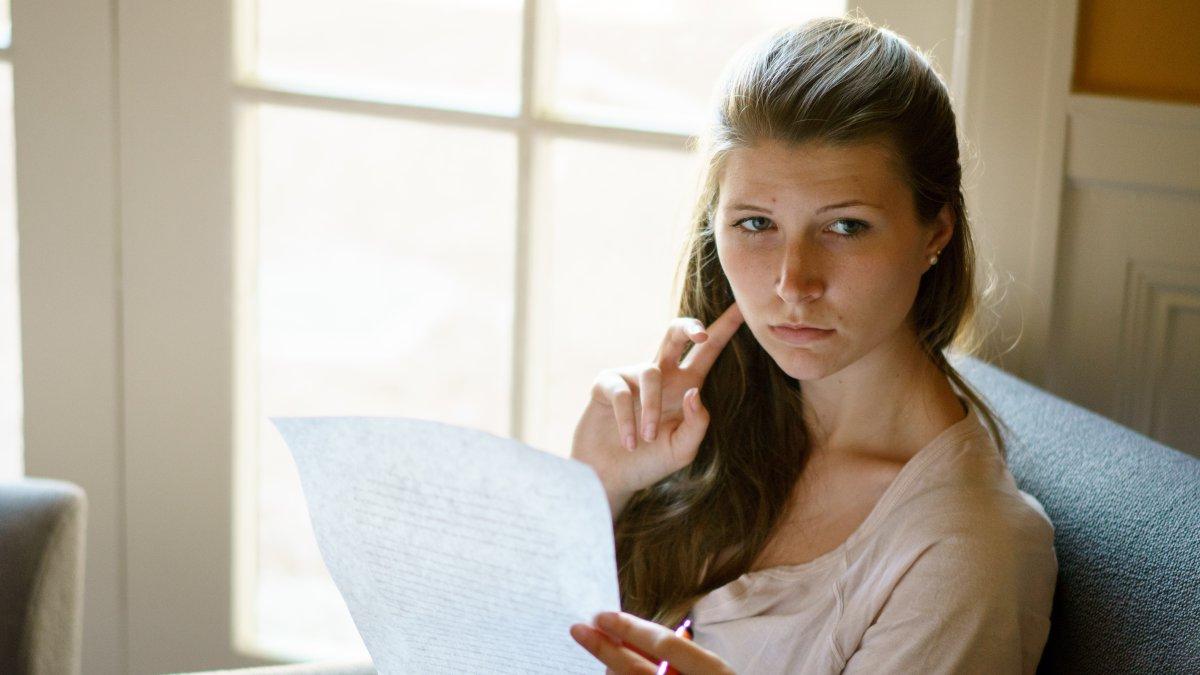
pixel 933 258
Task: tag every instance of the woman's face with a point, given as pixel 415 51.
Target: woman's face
pixel 816 260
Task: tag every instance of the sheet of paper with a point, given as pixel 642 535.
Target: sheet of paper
pixel 456 550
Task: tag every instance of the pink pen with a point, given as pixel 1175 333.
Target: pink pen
pixel 684 631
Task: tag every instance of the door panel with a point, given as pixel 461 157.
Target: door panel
pixel 1126 321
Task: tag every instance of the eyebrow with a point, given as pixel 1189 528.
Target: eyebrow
pixel 828 207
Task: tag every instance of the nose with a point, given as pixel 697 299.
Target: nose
pixel 799 276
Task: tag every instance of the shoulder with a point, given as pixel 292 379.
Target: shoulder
pixel 962 581
pixel 1000 564
pixel 963 561
pixel 986 539
pixel 975 546
pixel 965 506
pixel 966 584
pixel 984 516
pixel 968 489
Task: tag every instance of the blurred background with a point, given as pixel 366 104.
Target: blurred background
pixel 217 211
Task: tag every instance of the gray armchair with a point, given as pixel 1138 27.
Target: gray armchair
pixel 1127 517
pixel 41 576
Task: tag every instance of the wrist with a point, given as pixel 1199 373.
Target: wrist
pixel 616 494
pixel 617 501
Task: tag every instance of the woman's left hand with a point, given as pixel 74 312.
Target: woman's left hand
pixel 628 644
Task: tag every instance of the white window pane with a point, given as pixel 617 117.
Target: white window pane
pixel 386 256
pixel 654 64
pixel 609 231
pixel 5 26
pixel 11 435
pixel 452 53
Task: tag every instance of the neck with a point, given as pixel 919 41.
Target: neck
pixel 888 404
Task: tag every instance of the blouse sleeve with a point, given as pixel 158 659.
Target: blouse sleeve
pixel 969 602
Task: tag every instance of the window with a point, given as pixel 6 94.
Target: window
pixel 464 210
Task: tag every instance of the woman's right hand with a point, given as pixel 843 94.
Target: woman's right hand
pixel 645 422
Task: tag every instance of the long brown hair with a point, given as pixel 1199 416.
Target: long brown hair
pixel 835 80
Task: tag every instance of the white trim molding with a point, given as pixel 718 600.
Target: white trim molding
pixel 1154 293
pixel 1129 287
pixel 1134 143
pixel 1011 86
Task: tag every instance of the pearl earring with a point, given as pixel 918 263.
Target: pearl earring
pixel 933 258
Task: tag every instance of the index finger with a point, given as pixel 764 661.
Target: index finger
pixel 703 355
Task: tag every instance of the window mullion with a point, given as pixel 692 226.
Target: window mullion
pixel 523 230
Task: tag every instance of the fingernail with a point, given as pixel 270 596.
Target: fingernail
pixel 648 433
pixel 630 441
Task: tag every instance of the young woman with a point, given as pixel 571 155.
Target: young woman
pixel 800 468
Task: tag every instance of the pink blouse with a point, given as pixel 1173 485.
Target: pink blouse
pixel 953 571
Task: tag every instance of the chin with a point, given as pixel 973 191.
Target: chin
pixel 804 366
pixel 801 363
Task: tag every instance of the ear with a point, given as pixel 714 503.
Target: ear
pixel 942 232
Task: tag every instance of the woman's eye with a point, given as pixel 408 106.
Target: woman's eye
pixel 856 227
pixel 751 230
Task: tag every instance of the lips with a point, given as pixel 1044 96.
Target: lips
pixel 800 336
pixel 799 326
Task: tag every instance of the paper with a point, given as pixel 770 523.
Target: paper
pixel 454 549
